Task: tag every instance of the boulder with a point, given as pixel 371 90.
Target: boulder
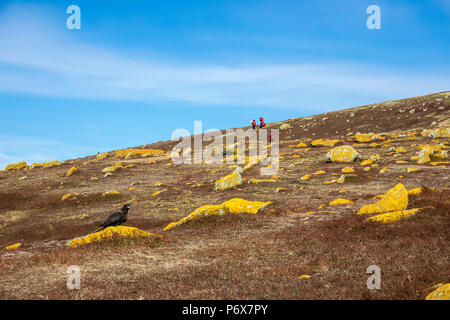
pixel 342 154
pixel 396 199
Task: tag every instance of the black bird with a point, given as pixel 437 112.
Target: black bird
pixel 115 219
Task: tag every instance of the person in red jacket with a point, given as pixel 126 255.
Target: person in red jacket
pixel 261 122
pixel 253 124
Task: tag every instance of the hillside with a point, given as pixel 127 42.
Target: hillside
pixel 242 256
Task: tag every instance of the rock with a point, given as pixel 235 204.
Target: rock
pixel 111 193
pixel 396 199
pixel 326 142
pixel 71 171
pixel 112 168
pixel 285 126
pixel 340 201
pixel 68 196
pixel 52 164
pixel 441 293
pixel 229 181
pixel 233 206
pixel 436 133
pixel 393 216
pixel 16 166
pixel 110 232
pixel 13 246
pixel 342 154
pixel 365 137
pixel 129 153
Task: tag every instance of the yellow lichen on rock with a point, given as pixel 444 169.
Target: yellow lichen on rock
pixel 415 191
pixel 69 195
pixel 396 199
pixel 436 133
pixel 342 154
pixel 348 170
pixel 366 162
pixel 112 168
pixel 366 137
pixel 319 172
pixel 384 170
pixel 111 193
pixel 326 142
pixel 128 153
pixel 285 126
pixel 158 192
pixel 229 181
pixel 232 206
pixel 393 216
pixel 54 163
pixel 441 293
pixel 411 169
pixel 13 246
pixel 102 155
pixel 16 166
pixel 340 201
pixel 110 232
pixel 305 177
pixel 71 171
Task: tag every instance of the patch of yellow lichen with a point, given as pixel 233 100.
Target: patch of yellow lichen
pixel 232 206
pixel 71 171
pixel 319 172
pixel 393 216
pixel 102 155
pixel 111 193
pixel 436 133
pixel 273 179
pixel 342 154
pixel 17 166
pixel 304 276
pixel 348 170
pixel 128 153
pixel 396 199
pixel 13 246
pixel 415 191
pixel 411 169
pixel 158 192
pixel 112 168
pixel 285 126
pixel 36 165
pixel 326 142
pixel 69 196
pixel 366 162
pixel 229 181
pixel 54 163
pixel 383 170
pixel 441 293
pixel 366 137
pixel 340 201
pixel 119 231
pixel 305 177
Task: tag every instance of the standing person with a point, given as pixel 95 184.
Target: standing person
pixel 261 122
pixel 253 124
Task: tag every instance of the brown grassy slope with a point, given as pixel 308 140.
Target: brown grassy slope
pixel 237 257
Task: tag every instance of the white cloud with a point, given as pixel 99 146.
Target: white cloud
pixel 37 58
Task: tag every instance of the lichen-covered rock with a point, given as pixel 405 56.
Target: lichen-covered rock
pixel 285 126
pixel 393 216
pixel 342 154
pixel 71 171
pixel 110 232
pixel 396 199
pixel 158 192
pixel 233 206
pixel 441 293
pixel 348 170
pixel 69 196
pixel 35 165
pixel 102 156
pixel 229 181
pixel 415 191
pixel 54 163
pixel 111 193
pixel 366 137
pixel 16 166
pixel 305 177
pixel 411 169
pixel 340 201
pixel 326 142
pixel 128 153
pixel 112 168
pixel 436 133
pixel 13 246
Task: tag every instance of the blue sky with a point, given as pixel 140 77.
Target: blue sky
pixel 138 70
